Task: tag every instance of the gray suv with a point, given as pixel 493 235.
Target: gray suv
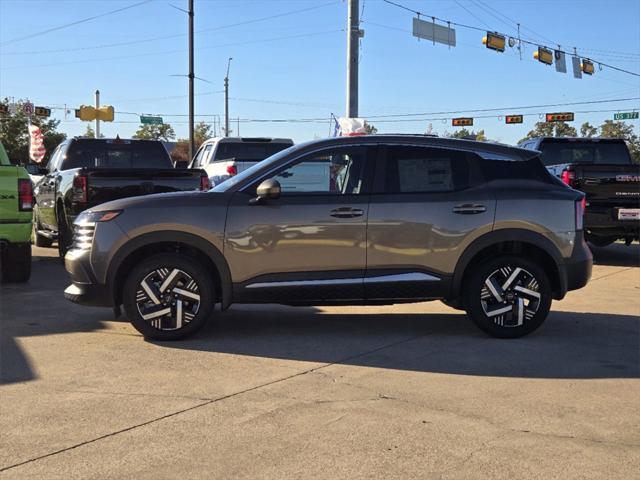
pixel 379 219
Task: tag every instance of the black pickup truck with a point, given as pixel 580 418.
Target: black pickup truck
pixel 84 172
pixel 603 170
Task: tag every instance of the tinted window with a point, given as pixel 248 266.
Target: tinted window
pixel 515 169
pixel 424 170
pixel 129 154
pixel 339 171
pixel 554 153
pixel 201 156
pixel 249 151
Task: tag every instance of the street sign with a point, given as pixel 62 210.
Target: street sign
pixel 27 108
pixel 625 116
pixel 577 67
pixel 150 120
pixel 509 119
pixel 435 33
pixel 42 112
pixel 561 61
pixel 559 117
pixel 462 122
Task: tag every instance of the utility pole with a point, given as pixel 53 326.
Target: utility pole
pixel 191 78
pixel 353 36
pixel 226 100
pixel 97 108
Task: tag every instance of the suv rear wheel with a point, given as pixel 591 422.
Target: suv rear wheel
pixel 508 297
pixel 168 297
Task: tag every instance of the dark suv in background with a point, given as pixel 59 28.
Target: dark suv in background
pixel 379 219
pixel 603 170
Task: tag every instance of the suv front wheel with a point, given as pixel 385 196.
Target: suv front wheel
pixel 508 297
pixel 168 297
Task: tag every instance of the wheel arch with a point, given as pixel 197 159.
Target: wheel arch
pixel 512 241
pixel 146 245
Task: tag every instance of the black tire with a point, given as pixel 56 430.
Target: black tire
pixel 64 235
pixel 38 239
pixel 15 265
pixel 155 271
pixel 454 303
pixel 528 294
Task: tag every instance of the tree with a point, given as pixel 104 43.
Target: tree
pixel 612 129
pixel 588 130
pixel 163 132
pixel 180 152
pixel 551 129
pixel 14 134
pixel 201 132
pixel 90 132
pixel 467 135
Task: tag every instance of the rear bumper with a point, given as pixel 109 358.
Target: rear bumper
pixel 602 220
pixel 577 268
pixel 19 232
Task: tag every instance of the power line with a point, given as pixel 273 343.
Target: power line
pixel 67 25
pixel 165 37
pixel 472 27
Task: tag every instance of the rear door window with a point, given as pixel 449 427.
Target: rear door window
pixel 423 170
pixel 101 154
pixel 554 153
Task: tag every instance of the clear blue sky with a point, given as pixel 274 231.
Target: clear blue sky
pixel 293 66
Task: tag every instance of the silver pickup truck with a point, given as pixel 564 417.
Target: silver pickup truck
pixel 224 157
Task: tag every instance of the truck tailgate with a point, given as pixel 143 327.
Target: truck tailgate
pixel 110 184
pixel 607 183
pixel 8 194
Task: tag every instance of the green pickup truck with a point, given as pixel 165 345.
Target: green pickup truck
pixel 16 207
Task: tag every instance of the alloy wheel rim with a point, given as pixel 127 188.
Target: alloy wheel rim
pixel 510 296
pixel 168 298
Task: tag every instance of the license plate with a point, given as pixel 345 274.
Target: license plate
pixel 629 214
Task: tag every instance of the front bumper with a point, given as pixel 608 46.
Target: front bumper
pixel 85 290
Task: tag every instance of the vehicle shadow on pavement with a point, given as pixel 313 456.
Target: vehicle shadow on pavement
pixel 570 345
pixel 617 255
pixel 37 308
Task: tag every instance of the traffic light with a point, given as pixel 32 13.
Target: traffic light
pixel 494 41
pixel 559 117
pixel 587 66
pixel 105 113
pixel 543 55
pixel 462 122
pixel 86 113
pixel 42 112
pixel 510 119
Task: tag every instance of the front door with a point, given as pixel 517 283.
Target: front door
pixel 310 244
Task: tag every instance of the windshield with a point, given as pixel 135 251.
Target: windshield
pixel 248 151
pixel 555 153
pixel 249 172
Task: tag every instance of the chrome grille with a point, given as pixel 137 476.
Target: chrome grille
pixel 83 236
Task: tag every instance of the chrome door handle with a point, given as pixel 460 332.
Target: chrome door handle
pixel 346 212
pixel 469 209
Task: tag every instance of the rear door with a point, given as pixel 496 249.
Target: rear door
pixel 427 205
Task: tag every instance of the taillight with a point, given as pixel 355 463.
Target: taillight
pixel 80 192
pixel 232 170
pixel 581 206
pixel 205 184
pixel 25 195
pixel 568 176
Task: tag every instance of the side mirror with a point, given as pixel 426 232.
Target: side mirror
pixel 267 190
pixel 182 164
pixel 35 169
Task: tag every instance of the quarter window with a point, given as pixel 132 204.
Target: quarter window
pixel 424 170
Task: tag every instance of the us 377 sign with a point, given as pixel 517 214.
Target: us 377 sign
pixel 625 116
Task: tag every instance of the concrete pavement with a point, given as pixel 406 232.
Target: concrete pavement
pixel 407 391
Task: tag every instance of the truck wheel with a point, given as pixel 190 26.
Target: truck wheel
pixel 64 236
pixel 16 263
pixel 168 296
pixel 39 240
pixel 508 297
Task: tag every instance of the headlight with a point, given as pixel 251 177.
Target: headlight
pixel 94 217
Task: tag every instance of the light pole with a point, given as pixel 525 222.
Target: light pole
pixel 191 78
pixel 226 99
pixel 353 35
pixel 97 118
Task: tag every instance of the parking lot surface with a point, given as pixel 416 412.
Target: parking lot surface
pixel 406 391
